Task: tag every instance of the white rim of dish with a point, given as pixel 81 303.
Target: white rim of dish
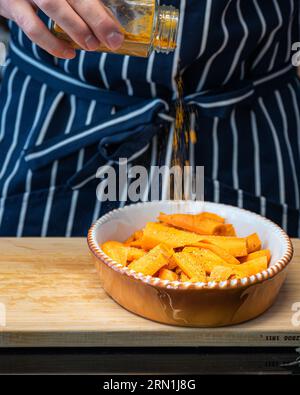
pixel 272 271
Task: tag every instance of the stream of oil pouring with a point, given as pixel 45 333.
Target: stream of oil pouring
pixel 182 178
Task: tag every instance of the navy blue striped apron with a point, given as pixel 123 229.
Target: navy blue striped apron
pixel 62 120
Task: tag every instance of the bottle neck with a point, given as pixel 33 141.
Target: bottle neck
pixel 165 32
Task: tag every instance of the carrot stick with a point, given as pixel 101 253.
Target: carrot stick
pixel 190 266
pixel 134 253
pixel 220 252
pixel 165 274
pixel 116 251
pixel 256 254
pixel 235 246
pixel 192 223
pixel 153 261
pixel 252 267
pixel 226 230
pixel 207 259
pixel 220 273
pixel 155 234
pixel 253 243
pixel 213 216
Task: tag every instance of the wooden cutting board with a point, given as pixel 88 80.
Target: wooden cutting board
pixel 50 295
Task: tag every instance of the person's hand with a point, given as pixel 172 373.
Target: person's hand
pixel 87 22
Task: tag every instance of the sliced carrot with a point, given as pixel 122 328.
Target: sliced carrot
pixel 184 278
pixel 207 259
pixel 155 234
pixel 138 234
pixel 191 249
pixel 235 246
pixel 165 274
pixel 220 273
pixel 256 254
pixel 213 216
pixel 172 264
pixel 190 266
pixel 134 253
pixel 250 268
pixel 253 243
pixel 178 270
pixel 192 223
pixel 205 255
pixel 220 252
pixel 129 240
pixel 226 230
pixel 134 239
pixel 116 251
pixel 153 261
pixel 135 243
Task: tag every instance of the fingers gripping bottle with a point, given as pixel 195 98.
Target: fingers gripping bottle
pixel 146 26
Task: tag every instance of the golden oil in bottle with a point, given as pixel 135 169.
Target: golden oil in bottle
pixel 146 26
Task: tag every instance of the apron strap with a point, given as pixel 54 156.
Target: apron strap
pixel 126 126
pixel 221 102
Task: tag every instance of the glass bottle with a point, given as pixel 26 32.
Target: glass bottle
pixel 146 26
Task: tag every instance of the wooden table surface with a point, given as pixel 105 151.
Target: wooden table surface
pixel 50 295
